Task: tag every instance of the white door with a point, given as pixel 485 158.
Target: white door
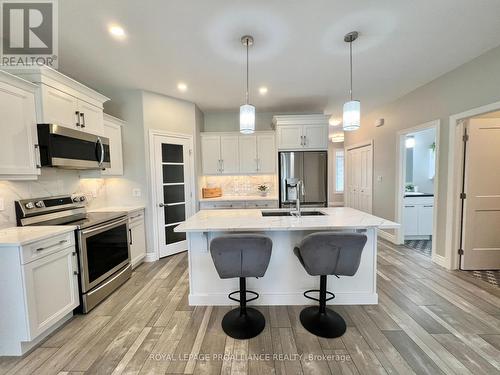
pixel 91 118
pixel 210 154
pixel 174 201
pixel 359 174
pixel 366 171
pixel 248 154
pixel 59 108
pixel 481 234
pixel 290 137
pixel 315 137
pixel 229 154
pixel 266 154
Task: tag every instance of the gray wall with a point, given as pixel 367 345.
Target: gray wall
pixel 471 85
pixel 230 121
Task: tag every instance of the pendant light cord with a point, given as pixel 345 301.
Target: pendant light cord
pixel 350 65
pixel 247 74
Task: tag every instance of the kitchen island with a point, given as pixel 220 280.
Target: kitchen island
pixel 285 279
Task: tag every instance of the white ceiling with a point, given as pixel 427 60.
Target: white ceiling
pixel 299 53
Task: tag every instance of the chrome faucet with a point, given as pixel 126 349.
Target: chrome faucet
pixel 300 191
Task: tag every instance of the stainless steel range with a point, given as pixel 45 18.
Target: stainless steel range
pixel 102 242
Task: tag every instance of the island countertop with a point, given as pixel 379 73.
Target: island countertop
pixel 252 220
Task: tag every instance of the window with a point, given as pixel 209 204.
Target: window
pixel 339 171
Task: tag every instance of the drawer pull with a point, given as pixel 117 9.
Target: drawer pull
pixel 48 247
pixel 409 206
pixel 429 206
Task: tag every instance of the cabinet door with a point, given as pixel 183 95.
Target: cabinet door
pixel 137 241
pixel 248 154
pixel 58 108
pixel 114 133
pixel 229 154
pixel 266 154
pixel 410 220
pixel 91 118
pixel 17 143
pixel 315 137
pixel 290 137
pixel 210 154
pixel 425 217
pixel 51 289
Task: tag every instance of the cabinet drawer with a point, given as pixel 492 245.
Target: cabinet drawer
pixel 221 205
pixel 40 249
pixel 261 204
pixel 136 216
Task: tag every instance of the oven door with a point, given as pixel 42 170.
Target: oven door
pixel 104 249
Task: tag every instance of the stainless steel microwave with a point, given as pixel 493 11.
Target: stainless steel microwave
pixel 62 147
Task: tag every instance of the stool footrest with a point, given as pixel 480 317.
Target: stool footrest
pixel 247 300
pixel 332 296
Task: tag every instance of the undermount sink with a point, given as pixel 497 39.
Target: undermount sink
pixel 289 213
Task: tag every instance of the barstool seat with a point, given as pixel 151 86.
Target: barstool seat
pixel 242 256
pixel 322 254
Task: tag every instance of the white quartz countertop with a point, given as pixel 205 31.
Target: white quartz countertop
pixel 127 209
pixel 252 220
pixel 227 198
pixel 19 236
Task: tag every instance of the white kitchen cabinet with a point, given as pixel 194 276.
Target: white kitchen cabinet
pixel 113 131
pixel 229 154
pixel 137 237
pixel 19 156
pixel 232 153
pixel 302 132
pixel 39 290
pixel 210 154
pixel 248 154
pixel 238 204
pixel 418 216
pixel 64 101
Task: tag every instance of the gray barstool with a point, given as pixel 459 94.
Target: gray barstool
pixel 322 254
pixel 242 256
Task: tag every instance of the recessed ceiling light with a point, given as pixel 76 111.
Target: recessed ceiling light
pixel 333 121
pixel 117 31
pixel 182 86
pixel 263 90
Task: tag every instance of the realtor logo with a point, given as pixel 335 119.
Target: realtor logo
pixel 29 33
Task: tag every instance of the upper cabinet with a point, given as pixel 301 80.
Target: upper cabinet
pixel 113 131
pixel 301 132
pixel 233 153
pixel 19 157
pixel 64 101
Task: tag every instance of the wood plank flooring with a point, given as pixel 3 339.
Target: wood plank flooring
pixel 428 321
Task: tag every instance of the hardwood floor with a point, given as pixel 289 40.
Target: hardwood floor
pixel 428 321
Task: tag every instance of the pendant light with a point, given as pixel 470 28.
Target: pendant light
pixel 352 108
pixel 247 111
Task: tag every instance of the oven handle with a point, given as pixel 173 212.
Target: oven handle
pixel 87 232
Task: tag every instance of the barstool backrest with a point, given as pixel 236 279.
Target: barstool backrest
pixel 241 255
pixel 332 253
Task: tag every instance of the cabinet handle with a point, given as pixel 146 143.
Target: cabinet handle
pixel 428 206
pixel 48 247
pixel 77 113
pixel 37 157
pixel 82 115
pixel 131 241
pixel 409 206
pixel 305 140
pixel 222 165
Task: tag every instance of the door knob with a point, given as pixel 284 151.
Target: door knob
pixel 162 205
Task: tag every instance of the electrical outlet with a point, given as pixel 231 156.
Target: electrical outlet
pixel 379 178
pixel 136 193
pixel 2 206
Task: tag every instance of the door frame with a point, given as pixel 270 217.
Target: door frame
pixel 455 176
pixel 368 142
pixel 152 173
pixel 400 176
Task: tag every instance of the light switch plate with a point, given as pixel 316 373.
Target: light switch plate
pixel 379 178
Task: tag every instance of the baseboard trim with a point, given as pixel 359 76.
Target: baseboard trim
pixel 440 260
pixel 138 260
pixel 221 299
pixel 387 236
pixel 150 257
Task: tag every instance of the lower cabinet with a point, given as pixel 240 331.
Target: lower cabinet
pixel 137 237
pixel 220 205
pixel 39 290
pixel 418 216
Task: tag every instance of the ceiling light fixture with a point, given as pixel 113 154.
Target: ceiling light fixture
pixel 410 142
pixel 263 90
pixel 352 108
pixel 247 111
pixel 333 121
pixel 117 31
pixel 337 136
pixel 181 86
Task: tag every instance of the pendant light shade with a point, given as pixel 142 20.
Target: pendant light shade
pixel 247 119
pixel 352 115
pixel 247 111
pixel 352 108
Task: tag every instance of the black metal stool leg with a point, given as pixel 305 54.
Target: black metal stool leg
pixel 243 322
pixel 321 321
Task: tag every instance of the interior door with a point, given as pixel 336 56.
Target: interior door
pixel 481 216
pixel 359 173
pixel 173 169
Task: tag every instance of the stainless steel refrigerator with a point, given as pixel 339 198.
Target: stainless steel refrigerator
pixel 310 167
